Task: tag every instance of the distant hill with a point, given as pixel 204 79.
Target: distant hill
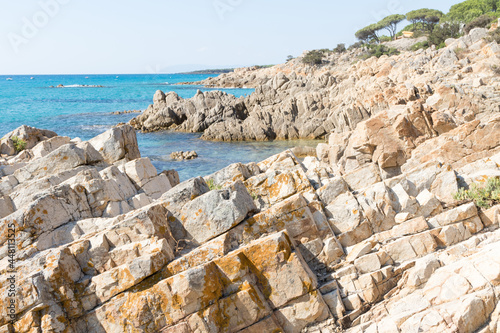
pixel 212 71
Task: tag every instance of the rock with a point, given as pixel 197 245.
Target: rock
pixel 30 135
pixel 335 187
pixel 447 58
pixel 359 250
pixel 309 308
pixel 159 97
pixel 181 155
pixel 429 204
pixel 478 82
pixel 229 174
pixel 458 214
pixel 116 144
pixel 140 171
pixel 363 177
pixel 344 213
pixel 6 206
pixel 368 263
pixel 443 122
pixel 173 177
pixel 216 212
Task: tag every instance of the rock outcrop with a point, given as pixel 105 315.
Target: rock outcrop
pixel 183 155
pixel 365 235
pixel 337 242
pixel 447 88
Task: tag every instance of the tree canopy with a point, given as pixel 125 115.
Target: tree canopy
pixel 468 10
pixel 428 18
pixel 369 33
pixel 390 23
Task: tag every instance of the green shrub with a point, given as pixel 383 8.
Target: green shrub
pixel 289 58
pixel 378 51
pixel 384 39
pixel 356 45
pixel 19 144
pixel 495 69
pixel 314 57
pixel 340 48
pixel 482 21
pixel 420 45
pixel 440 33
pixel 484 196
pixel 467 11
pixel 212 186
pixel 494 36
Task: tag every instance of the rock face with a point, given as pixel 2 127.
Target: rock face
pixel 434 89
pixel 366 236
pixel 333 243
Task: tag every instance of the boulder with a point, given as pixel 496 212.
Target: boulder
pixel 29 135
pixel 116 144
pixel 216 212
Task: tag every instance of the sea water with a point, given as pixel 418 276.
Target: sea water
pixel 84 108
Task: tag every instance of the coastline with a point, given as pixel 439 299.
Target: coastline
pixel 376 228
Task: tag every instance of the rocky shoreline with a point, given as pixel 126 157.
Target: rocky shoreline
pixel 298 101
pixel 365 234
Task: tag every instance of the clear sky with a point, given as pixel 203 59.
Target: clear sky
pixel 164 36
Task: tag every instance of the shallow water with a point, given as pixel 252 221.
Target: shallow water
pixel 85 112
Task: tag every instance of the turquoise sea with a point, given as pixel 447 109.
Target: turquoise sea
pixel 84 112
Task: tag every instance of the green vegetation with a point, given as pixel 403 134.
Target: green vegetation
pixel 384 39
pixel 369 34
pixel 212 186
pixel 494 36
pixel 314 57
pixel 254 195
pixel 378 51
pixel 212 71
pixel 484 196
pixel 434 24
pixel 420 45
pixel 424 19
pixel 443 32
pixel 263 66
pixel 289 57
pixel 340 48
pixel 390 23
pixel 495 69
pixel 483 21
pixel 19 144
pixel 469 10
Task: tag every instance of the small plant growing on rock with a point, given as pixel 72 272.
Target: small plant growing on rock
pixel 484 196
pixel 212 186
pixel 460 52
pixel 314 57
pixel 494 36
pixel 378 51
pixel 19 144
pixel 495 69
pixel 420 45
